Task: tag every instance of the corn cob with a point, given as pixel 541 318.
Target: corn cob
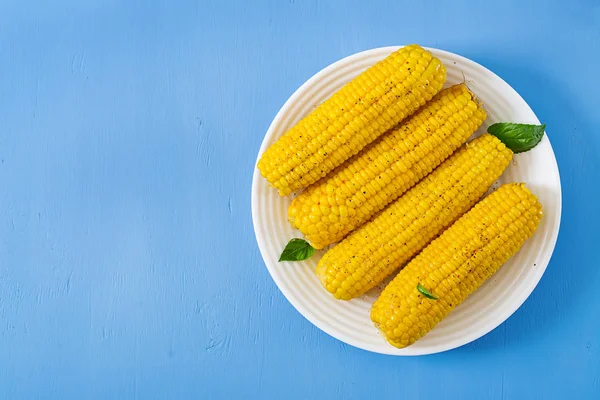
pixel 353 117
pixel 329 210
pixel 371 253
pixel 456 264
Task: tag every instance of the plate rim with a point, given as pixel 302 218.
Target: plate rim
pixel 281 114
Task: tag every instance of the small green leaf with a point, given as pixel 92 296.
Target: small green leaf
pixel 518 137
pixel 425 292
pixel 297 250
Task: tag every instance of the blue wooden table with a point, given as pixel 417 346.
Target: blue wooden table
pixel 128 136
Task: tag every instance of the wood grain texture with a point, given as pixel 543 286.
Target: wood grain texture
pixel 128 136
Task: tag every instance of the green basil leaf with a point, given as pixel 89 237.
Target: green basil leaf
pixel 425 292
pixel 518 137
pixel 297 250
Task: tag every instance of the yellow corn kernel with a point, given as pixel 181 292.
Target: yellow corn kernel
pixel 411 222
pixel 457 263
pixel 353 117
pixel 389 167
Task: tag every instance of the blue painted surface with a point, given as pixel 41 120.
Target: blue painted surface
pixel 128 135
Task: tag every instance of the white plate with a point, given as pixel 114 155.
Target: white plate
pixel 487 308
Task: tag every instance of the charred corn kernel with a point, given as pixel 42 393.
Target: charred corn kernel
pixel 389 167
pixel 458 262
pixel 382 245
pixel 353 117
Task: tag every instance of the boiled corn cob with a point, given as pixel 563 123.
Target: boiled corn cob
pixel 456 264
pixel 372 252
pixel 353 117
pixel 329 210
